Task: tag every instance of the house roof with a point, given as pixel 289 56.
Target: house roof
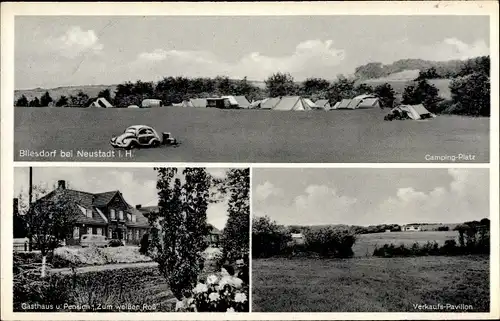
pixel 82 201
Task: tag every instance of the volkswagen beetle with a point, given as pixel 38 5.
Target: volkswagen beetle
pixel 140 136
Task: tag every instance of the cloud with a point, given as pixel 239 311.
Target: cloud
pixel 75 42
pixel 323 199
pixel 465 198
pixel 266 190
pixel 308 57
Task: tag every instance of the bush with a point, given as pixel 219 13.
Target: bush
pixel 330 242
pixel 268 238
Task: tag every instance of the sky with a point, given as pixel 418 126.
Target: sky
pixel 138 185
pixel 370 196
pixel 54 51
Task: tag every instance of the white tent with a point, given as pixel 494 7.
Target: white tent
pixel 414 111
pixel 310 103
pixel 323 103
pixel 292 103
pixel 151 103
pixel 133 106
pixel 101 103
pixel 269 103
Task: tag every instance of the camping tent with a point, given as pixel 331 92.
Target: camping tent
pixel 133 106
pixel 347 104
pixel 323 103
pixel 101 103
pixel 198 102
pixel 151 103
pixel 255 104
pixel 311 105
pixel 237 101
pixel 336 105
pixel 414 111
pixel 269 103
pixel 292 103
pixel 369 103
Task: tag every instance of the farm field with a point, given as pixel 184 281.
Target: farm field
pixel 370 284
pixel 366 243
pixel 213 135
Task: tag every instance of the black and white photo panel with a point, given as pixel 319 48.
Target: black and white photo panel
pixel 131 239
pixel 346 89
pixel 370 240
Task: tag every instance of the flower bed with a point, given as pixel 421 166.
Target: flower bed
pixel 217 294
pixel 67 256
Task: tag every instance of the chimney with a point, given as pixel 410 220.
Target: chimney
pixel 16 206
pixel 61 184
pixel 138 206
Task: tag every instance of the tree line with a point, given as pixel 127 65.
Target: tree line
pixel 470 90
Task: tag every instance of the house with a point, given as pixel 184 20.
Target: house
pixel 412 228
pixel 101 103
pixel 213 236
pixel 105 214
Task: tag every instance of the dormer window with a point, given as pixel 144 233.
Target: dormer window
pixel 89 213
pixel 134 218
pixel 112 214
pixel 120 215
pixel 129 217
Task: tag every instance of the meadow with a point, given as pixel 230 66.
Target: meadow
pixel 366 243
pixel 371 284
pixel 213 135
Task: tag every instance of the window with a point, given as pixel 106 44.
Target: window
pixel 110 233
pixel 89 230
pixel 120 215
pixel 137 235
pixel 129 217
pixel 89 213
pixel 129 235
pixel 112 214
pixel 76 232
pixel 98 231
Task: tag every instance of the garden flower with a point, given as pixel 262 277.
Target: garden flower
pixel 214 296
pixel 240 297
pixel 230 310
pixel 236 282
pixel 200 288
pixel 212 279
pixel 179 305
pixel 224 280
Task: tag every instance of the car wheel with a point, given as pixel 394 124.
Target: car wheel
pixel 131 145
pixel 155 143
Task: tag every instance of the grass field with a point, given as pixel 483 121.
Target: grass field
pixel 370 284
pixel 212 135
pixel 366 243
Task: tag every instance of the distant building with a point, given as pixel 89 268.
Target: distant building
pixel 412 228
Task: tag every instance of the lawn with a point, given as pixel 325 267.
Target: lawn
pixel 369 284
pixel 366 243
pixel 212 135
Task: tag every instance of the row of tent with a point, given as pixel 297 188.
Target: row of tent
pixel 299 103
pixel 228 102
pixel 146 103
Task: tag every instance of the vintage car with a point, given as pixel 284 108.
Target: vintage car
pixel 141 136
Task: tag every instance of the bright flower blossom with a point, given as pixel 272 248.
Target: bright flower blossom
pixel 212 279
pixel 200 287
pixel 230 310
pixel 237 282
pixel 240 297
pixel 214 296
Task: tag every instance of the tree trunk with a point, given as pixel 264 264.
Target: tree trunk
pixel 44 266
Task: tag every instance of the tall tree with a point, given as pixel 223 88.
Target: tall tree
pixel 471 94
pixel 423 93
pixel 386 94
pixel 22 102
pixel 281 84
pixel 315 86
pixel 45 100
pixel 181 239
pixel 49 221
pixel 34 103
pixel 235 238
pixel 342 88
pixel 62 101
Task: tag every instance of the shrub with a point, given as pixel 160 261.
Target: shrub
pixel 330 242
pixel 268 238
pixel 115 243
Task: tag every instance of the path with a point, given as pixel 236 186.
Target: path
pixel 95 268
